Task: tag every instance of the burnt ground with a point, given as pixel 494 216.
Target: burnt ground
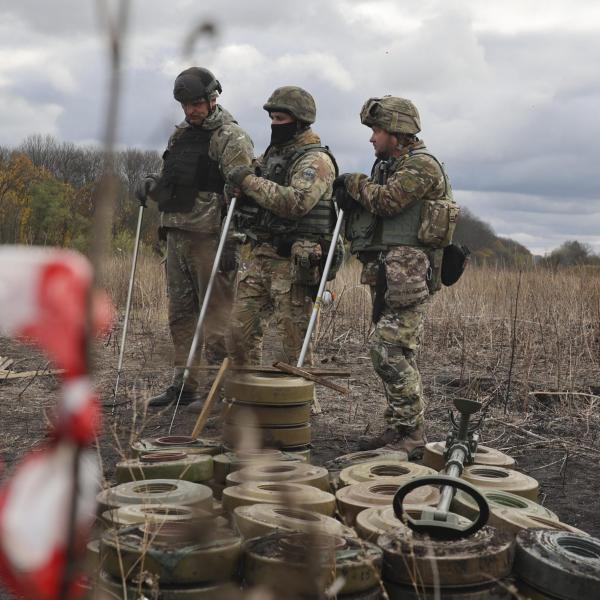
pixel 554 438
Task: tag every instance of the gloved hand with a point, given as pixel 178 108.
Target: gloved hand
pixel 238 174
pixel 145 187
pixel 342 198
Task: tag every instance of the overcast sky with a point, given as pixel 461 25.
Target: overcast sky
pixel 508 90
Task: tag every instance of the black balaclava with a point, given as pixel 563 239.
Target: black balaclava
pixel 282 133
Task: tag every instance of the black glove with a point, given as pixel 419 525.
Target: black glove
pixel 145 187
pixel 238 174
pixel 342 198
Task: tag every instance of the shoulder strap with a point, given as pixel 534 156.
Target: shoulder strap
pixel 424 153
pixel 300 152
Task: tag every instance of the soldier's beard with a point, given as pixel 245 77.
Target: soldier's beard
pixel 382 154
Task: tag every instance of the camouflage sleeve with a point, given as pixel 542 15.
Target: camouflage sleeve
pixel 312 178
pixel 231 147
pixel 409 184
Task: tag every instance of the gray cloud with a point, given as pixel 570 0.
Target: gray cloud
pixel 507 95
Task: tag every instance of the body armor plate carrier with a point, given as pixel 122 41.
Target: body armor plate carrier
pixel 187 171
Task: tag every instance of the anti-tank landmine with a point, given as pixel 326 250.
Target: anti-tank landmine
pixel 464 586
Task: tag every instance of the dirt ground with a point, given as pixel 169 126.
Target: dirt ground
pixel 550 435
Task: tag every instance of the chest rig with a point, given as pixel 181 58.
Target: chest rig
pixel 188 170
pixel 262 225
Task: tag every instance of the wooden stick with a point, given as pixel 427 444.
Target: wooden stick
pixel 281 366
pixel 210 399
pixel 343 373
pixel 5 363
pixel 22 374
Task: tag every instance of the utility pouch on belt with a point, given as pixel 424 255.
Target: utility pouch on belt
pixel 306 258
pixel 406 270
pixel 438 222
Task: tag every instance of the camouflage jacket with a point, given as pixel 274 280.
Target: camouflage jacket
pixel 230 146
pixel 310 180
pixel 409 180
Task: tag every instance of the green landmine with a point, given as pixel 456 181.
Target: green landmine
pixel 177 443
pixel 170 464
pixel 228 462
pixel 178 553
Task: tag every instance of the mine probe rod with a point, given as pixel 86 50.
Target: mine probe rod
pixel 457 459
pixel 136 248
pixel 207 293
pixel 319 298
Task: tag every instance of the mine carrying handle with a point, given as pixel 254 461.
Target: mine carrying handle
pixel 440 524
pixel 437 521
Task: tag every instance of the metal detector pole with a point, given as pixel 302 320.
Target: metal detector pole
pixel 207 293
pixel 319 298
pixel 128 304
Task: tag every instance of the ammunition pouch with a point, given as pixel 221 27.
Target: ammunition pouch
pixel 438 222
pixel 306 261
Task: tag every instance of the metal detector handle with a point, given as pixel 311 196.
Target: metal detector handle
pixel 319 298
pixel 441 528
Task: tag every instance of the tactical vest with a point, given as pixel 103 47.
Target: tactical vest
pixel 369 232
pixel 262 225
pixel 187 171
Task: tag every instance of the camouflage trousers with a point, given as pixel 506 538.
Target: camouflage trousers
pixel 266 290
pixel 397 338
pixel 190 258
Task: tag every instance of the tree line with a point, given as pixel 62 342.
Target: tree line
pixel 47 193
pixel 47 198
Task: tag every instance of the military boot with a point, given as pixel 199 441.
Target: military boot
pixel 169 396
pixel 411 440
pixel 372 442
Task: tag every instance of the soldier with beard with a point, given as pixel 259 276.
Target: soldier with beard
pixel 286 212
pixel 201 154
pixel 399 220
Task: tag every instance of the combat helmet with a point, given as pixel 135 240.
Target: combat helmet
pixel 195 84
pixel 293 100
pixel 394 114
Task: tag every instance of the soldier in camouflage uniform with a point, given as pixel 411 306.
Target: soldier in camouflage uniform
pixel 285 210
pixel 389 228
pixel 200 155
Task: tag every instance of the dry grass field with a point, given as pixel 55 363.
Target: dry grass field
pixel 526 344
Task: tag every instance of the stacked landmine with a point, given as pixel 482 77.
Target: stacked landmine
pixel 477 567
pixel 162 528
pixel 336 465
pixel 433 456
pixel 375 483
pixel 184 559
pixel 557 565
pixel 510 512
pixel 295 547
pixel 302 565
pixel 268 411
